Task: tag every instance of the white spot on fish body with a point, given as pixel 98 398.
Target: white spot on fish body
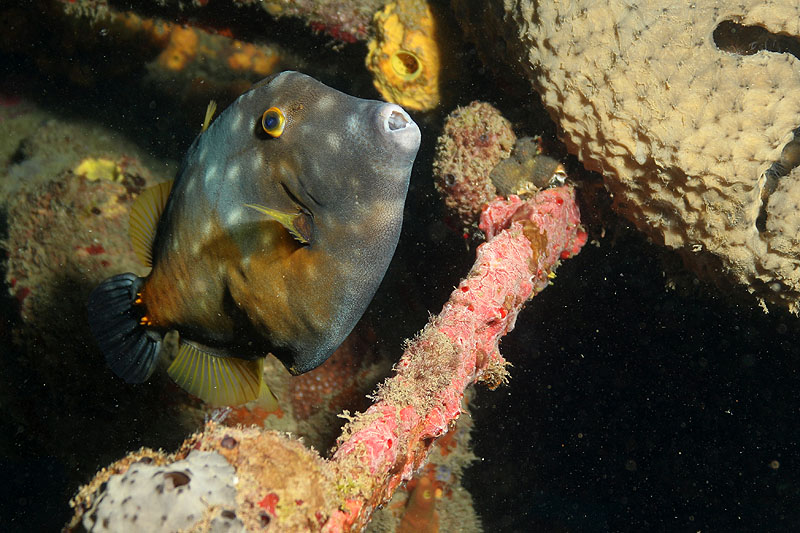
pixel 234 216
pixel 233 173
pixel 256 163
pixel 237 121
pixel 334 141
pixel 353 124
pixel 325 103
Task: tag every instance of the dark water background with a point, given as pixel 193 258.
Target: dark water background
pixel 631 407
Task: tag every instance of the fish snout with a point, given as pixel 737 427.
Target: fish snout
pixel 397 128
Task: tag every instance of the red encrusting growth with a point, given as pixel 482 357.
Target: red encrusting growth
pixel 388 442
pixel 269 502
pixel 95 249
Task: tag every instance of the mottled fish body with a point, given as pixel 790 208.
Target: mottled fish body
pixel 274 238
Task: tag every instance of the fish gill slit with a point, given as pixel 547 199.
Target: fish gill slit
pixel 296 200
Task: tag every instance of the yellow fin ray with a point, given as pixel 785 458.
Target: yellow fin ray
pixel 217 380
pixel 297 224
pixel 144 217
pixel 210 110
pixel 266 399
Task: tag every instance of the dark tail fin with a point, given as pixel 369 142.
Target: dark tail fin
pixel 130 349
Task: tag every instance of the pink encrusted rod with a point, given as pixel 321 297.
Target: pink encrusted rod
pixel 382 447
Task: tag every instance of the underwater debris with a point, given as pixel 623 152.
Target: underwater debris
pixel 406 54
pixel 288 486
pixel 475 138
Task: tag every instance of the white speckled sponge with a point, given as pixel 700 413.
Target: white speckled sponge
pixel 148 498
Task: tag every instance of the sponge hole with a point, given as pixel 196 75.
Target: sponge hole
pixel 747 40
pixel 789 159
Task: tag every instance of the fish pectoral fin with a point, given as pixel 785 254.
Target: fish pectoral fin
pixel 297 224
pixel 145 212
pixel 217 380
pixel 210 110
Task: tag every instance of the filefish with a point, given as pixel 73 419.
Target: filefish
pixel 273 238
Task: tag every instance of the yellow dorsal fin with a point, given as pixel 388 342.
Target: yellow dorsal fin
pixel 145 213
pixel 216 380
pixel 297 224
pixel 210 110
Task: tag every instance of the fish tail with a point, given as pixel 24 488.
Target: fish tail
pixel 130 349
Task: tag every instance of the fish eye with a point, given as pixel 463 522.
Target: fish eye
pixel 273 121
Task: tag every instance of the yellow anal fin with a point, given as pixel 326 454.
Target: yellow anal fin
pixel 144 217
pixel 267 400
pixel 216 380
pixel 210 110
pixel 297 224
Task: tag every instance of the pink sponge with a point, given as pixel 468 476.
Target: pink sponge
pixel 384 445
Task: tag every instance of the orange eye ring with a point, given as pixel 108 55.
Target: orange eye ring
pixel 273 122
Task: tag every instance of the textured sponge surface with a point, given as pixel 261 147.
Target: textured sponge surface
pixel 684 108
pixel 174 497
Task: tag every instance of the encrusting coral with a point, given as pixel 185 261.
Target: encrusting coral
pixel 684 108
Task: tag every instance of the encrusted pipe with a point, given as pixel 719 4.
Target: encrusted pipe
pixel 381 448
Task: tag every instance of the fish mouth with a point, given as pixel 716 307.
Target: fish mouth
pixel 397 120
pixel 395 124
